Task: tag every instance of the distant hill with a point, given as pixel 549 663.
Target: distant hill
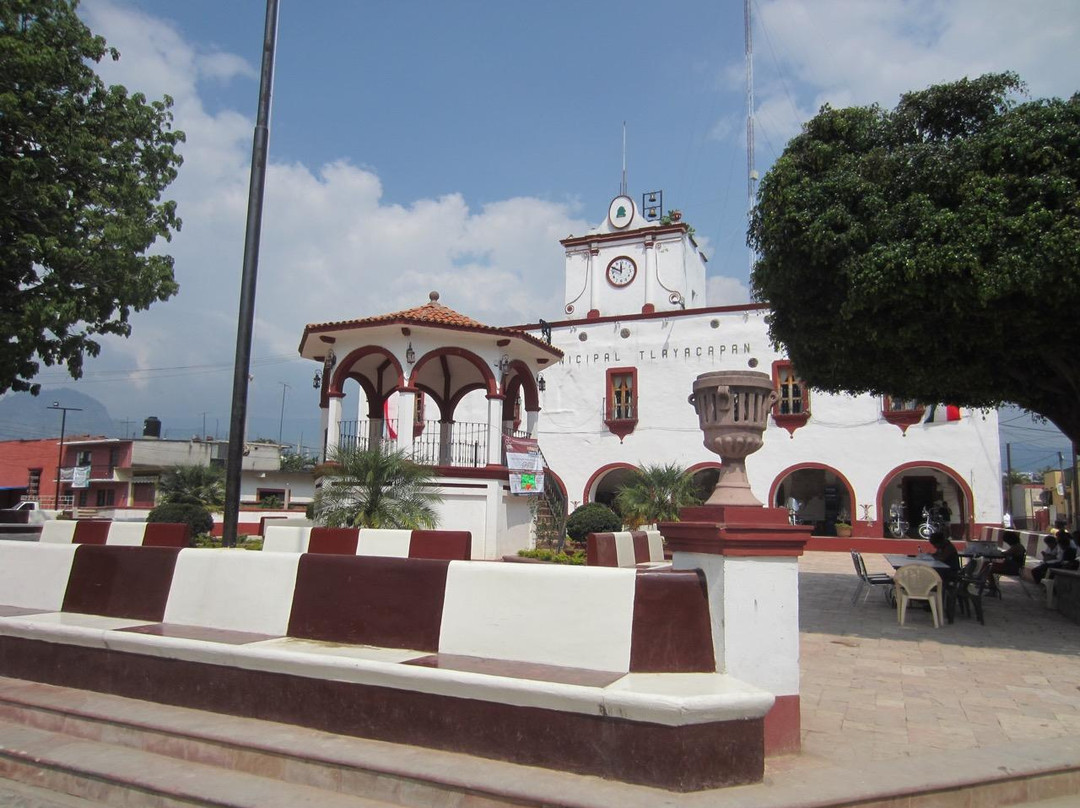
pixel 26 417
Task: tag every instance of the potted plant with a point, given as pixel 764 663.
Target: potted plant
pixel 843 529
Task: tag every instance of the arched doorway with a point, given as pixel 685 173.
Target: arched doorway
pixel 605 483
pixel 918 485
pixel 819 496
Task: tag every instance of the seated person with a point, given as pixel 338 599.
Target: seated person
pixel 1067 547
pixel 1015 556
pixel 1051 558
pixel 945 551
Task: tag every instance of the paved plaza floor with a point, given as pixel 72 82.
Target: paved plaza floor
pixel 873 689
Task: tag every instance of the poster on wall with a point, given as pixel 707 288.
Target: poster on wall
pixel 80 477
pixel 525 465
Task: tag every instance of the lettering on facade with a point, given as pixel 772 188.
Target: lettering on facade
pixel 686 353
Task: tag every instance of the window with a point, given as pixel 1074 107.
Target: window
pixel 270 496
pixel 106 497
pixel 621 401
pixel 83 458
pixel 83 498
pixel 33 484
pixel 901 412
pixel 792 408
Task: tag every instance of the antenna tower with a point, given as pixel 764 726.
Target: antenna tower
pixel 751 172
pixel 622 188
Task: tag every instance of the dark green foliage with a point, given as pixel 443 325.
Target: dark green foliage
pixel 592 518
pixel 175 512
pixel 656 493
pixel 576 558
pixel 930 252
pixel 199 485
pixel 82 170
pixel 376 488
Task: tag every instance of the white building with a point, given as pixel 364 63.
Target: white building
pixel 606 390
pixel 640 331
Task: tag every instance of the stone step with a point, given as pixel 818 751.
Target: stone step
pixel 111 774
pixel 377 771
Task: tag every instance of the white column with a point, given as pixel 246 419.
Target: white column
pixel 332 424
pixel 406 409
pixel 595 278
pixel 651 269
pixel 532 417
pixel 446 435
pixel 494 424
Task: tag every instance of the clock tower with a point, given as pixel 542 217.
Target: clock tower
pixel 631 265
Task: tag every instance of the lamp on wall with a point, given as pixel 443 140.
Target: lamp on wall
pixel 317 381
pixel 504 364
pixel 541 385
pixel 410 354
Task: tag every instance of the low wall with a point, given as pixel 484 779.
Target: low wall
pixel 451 545
pixel 94 531
pixel 457 655
pixel 627 548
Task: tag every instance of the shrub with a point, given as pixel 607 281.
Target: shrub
pixel 592 518
pixel 543 554
pixel 194 515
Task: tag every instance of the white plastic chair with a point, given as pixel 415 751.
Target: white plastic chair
pixel 918 582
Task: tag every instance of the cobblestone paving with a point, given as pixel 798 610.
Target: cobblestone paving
pixel 874 690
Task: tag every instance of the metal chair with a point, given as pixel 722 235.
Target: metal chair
pixel 976 574
pixel 867 581
pixel 918 582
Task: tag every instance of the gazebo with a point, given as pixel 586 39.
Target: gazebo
pixel 431 357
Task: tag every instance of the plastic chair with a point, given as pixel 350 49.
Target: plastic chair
pixel 977 575
pixel 867 581
pixel 918 582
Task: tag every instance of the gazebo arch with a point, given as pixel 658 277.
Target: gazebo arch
pixel 964 498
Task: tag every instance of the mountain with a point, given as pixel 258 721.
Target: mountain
pixel 27 417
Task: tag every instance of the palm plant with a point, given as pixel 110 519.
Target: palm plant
pixel 377 489
pixel 655 493
pixel 202 485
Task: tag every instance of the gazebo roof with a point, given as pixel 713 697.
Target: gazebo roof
pixel 432 314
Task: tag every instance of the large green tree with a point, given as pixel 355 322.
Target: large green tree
pixel 932 251
pixel 82 170
pixel 193 484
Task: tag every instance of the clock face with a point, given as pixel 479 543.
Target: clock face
pixel 621 271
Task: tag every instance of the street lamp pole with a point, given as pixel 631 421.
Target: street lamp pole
pixel 60 457
pixel 281 421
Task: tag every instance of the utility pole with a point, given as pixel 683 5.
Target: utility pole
pixel 60 458
pixel 246 319
pixel 1008 480
pixel 281 421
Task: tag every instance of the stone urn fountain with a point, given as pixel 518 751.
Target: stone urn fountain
pixel 733 410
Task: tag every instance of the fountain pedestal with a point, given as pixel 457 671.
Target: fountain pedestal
pixel 748 553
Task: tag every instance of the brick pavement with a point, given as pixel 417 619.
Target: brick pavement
pixel 873 690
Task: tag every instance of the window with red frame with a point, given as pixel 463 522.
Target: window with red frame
pixel 897 404
pixel 793 397
pixel 621 401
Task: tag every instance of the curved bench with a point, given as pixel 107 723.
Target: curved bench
pixel 467 656
pixel 100 531
pixel 628 548
pixel 450 545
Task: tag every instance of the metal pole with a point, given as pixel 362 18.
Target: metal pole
pixel 242 365
pixel 281 421
pixel 60 457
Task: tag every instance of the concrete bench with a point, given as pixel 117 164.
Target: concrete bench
pixel 459 655
pixel 628 548
pixel 450 545
pixel 99 531
pixel 1063 592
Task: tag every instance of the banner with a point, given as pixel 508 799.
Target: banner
pixel 80 477
pixel 525 464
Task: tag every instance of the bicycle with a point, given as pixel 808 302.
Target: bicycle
pixel 898 524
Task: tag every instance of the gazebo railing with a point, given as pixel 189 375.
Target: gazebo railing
pixel 467 446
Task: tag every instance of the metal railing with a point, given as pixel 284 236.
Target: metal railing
pixel 467 446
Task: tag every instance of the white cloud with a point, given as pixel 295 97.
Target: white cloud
pixel 721 291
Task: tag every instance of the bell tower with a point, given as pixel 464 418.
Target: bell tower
pixel 634 263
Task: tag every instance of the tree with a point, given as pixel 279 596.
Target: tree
pixel 193 485
pixel 655 494
pixel 82 170
pixel 931 252
pixel 592 517
pixel 379 489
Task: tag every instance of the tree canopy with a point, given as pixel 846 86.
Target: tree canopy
pixel 656 493
pixel 930 252
pixel 193 484
pixel 82 170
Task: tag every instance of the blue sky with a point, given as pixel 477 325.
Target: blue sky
pixel 425 145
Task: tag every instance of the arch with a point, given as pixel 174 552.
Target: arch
pixel 967 507
pixel 705 475
pixel 829 515
pixel 343 370
pixel 588 494
pixel 521 377
pixel 451 350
